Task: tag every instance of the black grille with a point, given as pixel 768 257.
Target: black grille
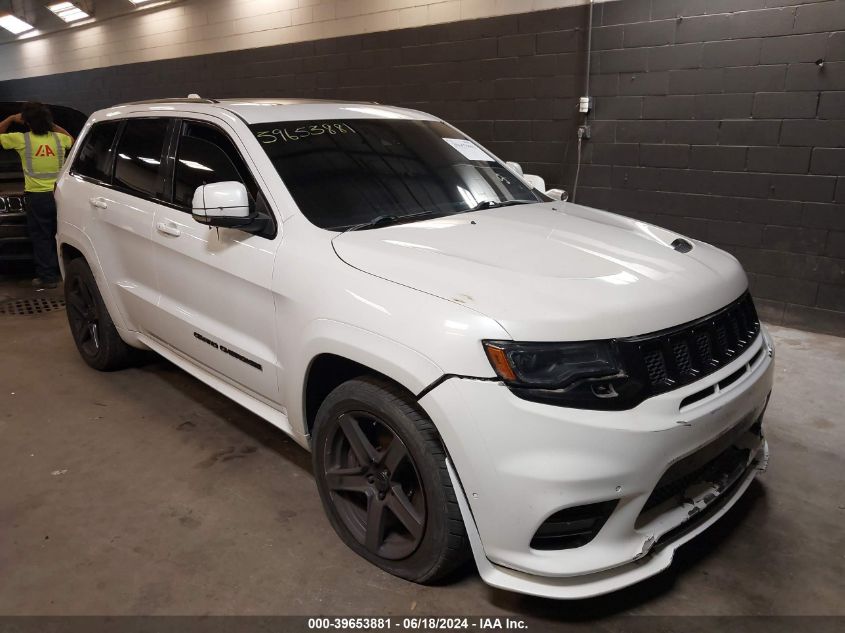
pixel 651 364
pixel 655 366
pixel 703 347
pixel 11 204
pixel 682 357
pixel 717 462
pixel 676 357
pixel 715 471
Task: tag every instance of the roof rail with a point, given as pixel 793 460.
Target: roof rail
pixel 171 100
pixel 290 101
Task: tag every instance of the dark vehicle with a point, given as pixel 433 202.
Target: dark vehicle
pixel 14 241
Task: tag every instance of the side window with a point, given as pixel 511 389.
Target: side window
pixel 138 160
pixel 93 160
pixel 206 155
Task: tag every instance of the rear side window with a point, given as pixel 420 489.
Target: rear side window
pixel 206 155
pixel 138 160
pixel 93 160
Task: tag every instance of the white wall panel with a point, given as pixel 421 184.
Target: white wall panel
pixel 197 27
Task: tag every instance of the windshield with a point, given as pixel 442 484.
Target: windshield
pixel 353 172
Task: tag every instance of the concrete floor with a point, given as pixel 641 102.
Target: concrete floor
pixel 145 492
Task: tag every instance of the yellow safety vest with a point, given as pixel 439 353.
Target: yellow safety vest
pixel 42 157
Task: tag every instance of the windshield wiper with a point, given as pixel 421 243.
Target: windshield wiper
pixel 496 204
pixel 379 220
pixel 388 220
pixel 391 219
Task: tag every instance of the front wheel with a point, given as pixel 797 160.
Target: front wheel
pixel 92 329
pixel 381 472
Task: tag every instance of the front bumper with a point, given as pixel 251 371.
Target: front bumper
pixel 514 463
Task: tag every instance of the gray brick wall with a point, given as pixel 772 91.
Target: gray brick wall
pixel 511 82
pixel 711 116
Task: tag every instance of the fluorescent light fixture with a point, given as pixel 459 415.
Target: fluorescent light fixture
pixel 14 25
pixel 68 11
pixel 149 4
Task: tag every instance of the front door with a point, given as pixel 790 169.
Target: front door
pixel 215 306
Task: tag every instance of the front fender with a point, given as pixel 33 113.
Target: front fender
pixel 400 363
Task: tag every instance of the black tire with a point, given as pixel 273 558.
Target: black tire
pixel 92 329
pixel 419 484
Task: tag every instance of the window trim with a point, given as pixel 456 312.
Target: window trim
pixel 167 134
pixel 113 163
pixel 170 175
pixel 112 149
pixel 168 165
pixel 174 153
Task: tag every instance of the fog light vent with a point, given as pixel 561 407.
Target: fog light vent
pixel 573 527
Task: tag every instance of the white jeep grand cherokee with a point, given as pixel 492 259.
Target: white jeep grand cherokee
pixel 475 366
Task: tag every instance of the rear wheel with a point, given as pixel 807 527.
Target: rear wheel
pixel 381 472
pixel 92 329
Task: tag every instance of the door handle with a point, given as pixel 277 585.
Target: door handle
pixel 100 203
pixel 168 228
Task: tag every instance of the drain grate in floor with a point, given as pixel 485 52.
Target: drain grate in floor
pixel 31 305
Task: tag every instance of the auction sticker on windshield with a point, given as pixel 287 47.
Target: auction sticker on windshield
pixel 470 150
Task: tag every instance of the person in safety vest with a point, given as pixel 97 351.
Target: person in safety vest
pixel 42 150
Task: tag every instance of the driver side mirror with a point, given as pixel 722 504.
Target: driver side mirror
pixel 222 204
pixel 514 167
pixel 535 181
pixel 538 182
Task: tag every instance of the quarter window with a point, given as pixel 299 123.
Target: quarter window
pixel 93 160
pixel 138 161
pixel 206 155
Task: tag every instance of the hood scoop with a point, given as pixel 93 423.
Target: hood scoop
pixel 681 245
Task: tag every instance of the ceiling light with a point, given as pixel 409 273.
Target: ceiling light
pixel 68 11
pixel 149 4
pixel 13 24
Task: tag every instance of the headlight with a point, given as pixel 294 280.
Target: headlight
pixel 618 374
pixel 550 365
pixel 584 375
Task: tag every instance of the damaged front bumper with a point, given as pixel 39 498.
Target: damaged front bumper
pixel 654 557
pixel 671 470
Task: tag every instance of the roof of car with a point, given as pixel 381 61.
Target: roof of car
pixel 269 110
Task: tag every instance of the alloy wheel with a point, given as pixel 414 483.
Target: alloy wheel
pixel 84 316
pixel 374 485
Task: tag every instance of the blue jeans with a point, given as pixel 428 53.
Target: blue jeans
pixel 41 222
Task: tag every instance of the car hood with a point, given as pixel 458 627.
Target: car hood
pixel 552 271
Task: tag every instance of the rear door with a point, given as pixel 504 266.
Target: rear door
pixel 216 306
pixel 117 182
